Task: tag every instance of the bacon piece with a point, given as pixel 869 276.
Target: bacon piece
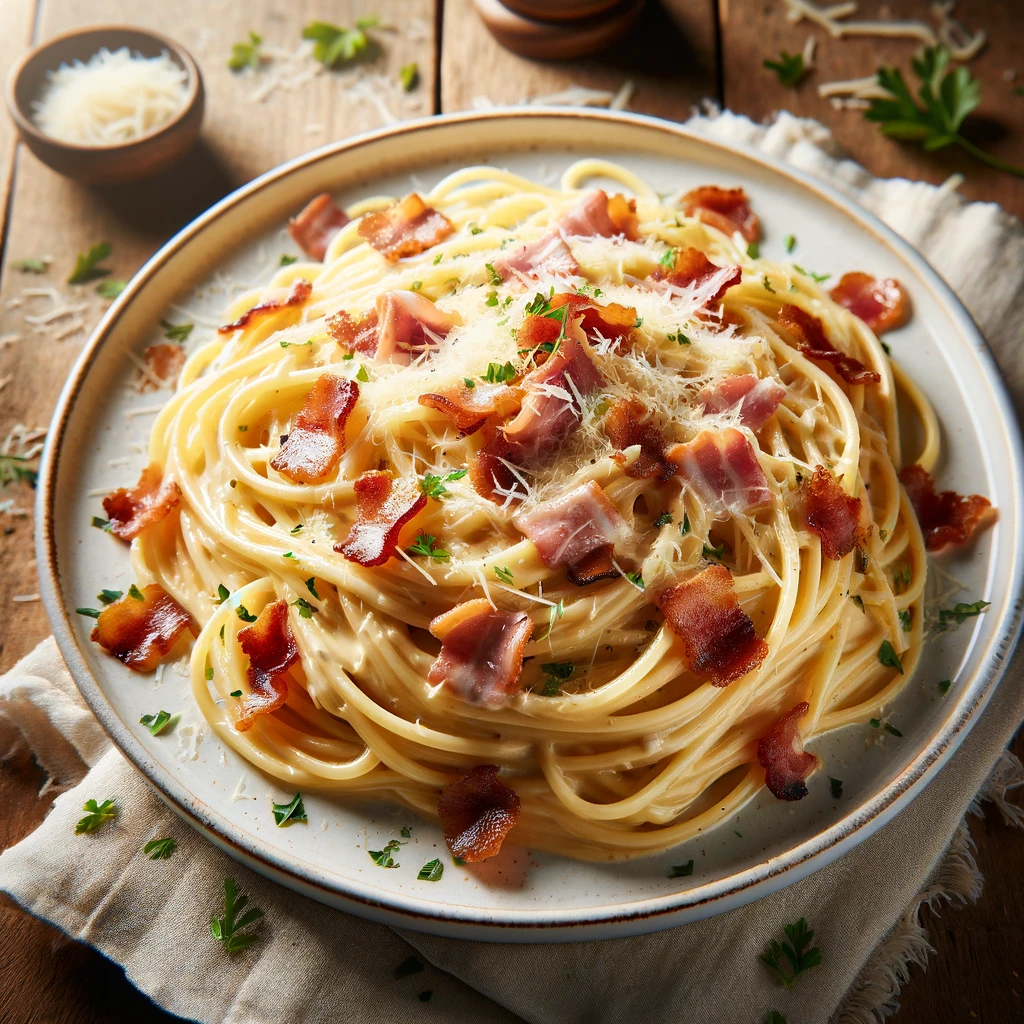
pixel 597 213
pixel 482 648
pixel 809 333
pixel 756 398
pixel 832 514
pixel 490 476
pixel 724 208
pixel 571 527
pixel 297 295
pixel 132 509
pixel 945 517
pixel 722 468
pixel 477 812
pixel 383 507
pixel 611 321
pixel 598 565
pixel 469 407
pixel 547 255
pixel 141 633
pixel 409 324
pixel 538 332
pixel 881 303
pixel 163 364
pixel 405 229
pixel 317 440
pixel 691 268
pixel 781 753
pixel 317 223
pixel 626 425
pixel 354 334
pixel 718 637
pixel 272 650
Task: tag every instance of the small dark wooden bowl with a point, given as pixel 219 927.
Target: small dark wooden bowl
pixel 125 161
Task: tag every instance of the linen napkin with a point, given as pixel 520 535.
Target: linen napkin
pixel 315 964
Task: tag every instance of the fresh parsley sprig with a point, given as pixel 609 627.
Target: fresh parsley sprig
pixel 228 928
pixel 294 810
pixel 160 849
pixel 87 265
pixel 246 54
pixel 433 484
pixel 789 67
pixel 98 815
pixel 176 332
pixel 335 46
pixel 798 953
pixel 383 858
pixel 424 545
pixel 15 468
pixel 945 98
pixel 960 612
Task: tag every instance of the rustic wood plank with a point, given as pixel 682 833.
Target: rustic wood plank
pixel 241 139
pixel 752 30
pixel 17 17
pixel 669 56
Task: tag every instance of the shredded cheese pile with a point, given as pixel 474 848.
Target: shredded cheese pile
pixel 115 97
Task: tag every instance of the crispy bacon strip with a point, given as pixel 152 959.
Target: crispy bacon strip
pixel 722 468
pixel 355 334
pixel 482 648
pixel 718 637
pixel 809 333
pixel 832 514
pixel 597 213
pixel 781 753
pixel 409 324
pixel 163 363
pixel 298 295
pixel 881 303
pixel 611 321
pixel 571 527
pixel 755 399
pixel 489 473
pixel 383 507
pixel 597 565
pixel 272 650
pixel 317 440
pixel 467 407
pixel 535 331
pixel 405 229
pixel 132 509
pixel 627 424
pixel 141 633
pixel 317 223
pixel 546 255
pixel 477 812
pixel 691 268
pixel 727 209
pixel 945 517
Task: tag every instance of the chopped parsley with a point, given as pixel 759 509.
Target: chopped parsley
pixel 810 273
pixel 754 250
pixel 134 592
pixel 409 966
pixel 287 260
pixel 222 593
pixel 209 672
pixel 681 870
pixel 557 672
pixel 227 929
pixel 798 953
pixel 101 524
pixel 944 685
pixel 887 656
pixel 710 551
pixel 469 382
pixel 433 484
pixel 247 54
pixel 409 76
pixel 296 529
pixel 789 242
pixel 30 266
pixel 12 468
pixel 789 67
pixel 555 612
pixel 244 614
pixel 158 722
pixel 504 575
pixel 835 787
pixel 294 810
pixel 362 374
pixel 874 722
pixel 431 871
pixel 291 555
pixel 960 612
pixel 110 289
pixel 905 620
pixel 416 286
pixel 306 610
pixel 496 278
pixel 768 285
pixel 492 298
pixel 383 858
pixel 235 693
pixel 679 337
pixel 160 849
pixel 901 577
pixel 663 520
pixel 297 344
pixel 87 265
pixel 98 815
pixel 438 258
pixel 311 587
pixel 406 832
pixel 176 332
pixel 668 259
pixel 109 596
pixel 335 45
pixel 892 730
pixel 93 613
pixel 424 545
pixel 858 601
pixel 636 579
pixel 684 526
pixel 498 373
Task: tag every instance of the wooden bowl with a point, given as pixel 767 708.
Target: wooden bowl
pixel 123 161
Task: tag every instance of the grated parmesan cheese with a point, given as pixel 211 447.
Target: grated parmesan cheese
pixel 114 98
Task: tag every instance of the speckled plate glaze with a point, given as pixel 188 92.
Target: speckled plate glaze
pixel 97 440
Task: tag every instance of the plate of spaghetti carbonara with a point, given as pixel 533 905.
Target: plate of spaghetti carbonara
pixel 512 525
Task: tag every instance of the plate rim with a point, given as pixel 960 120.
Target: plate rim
pixel 539 925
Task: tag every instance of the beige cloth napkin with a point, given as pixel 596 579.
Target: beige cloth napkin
pixel 315 964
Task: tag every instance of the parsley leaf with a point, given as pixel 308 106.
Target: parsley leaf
pixel 246 55
pixel 557 672
pixel 789 242
pixel 433 485
pixel 424 545
pixel 789 67
pixel 30 266
pixel 160 849
pixel 383 858
pixel 287 260
pixel 409 76
pixel 504 575
pixel 498 374
pixel 946 98
pixel 810 273
pixel 754 250
pixel 555 612
pixel 887 656
pixel 362 374
pixel 156 723
pixel 306 610
pixel 311 587
pixel 669 259
pixel 768 285
pixel 710 551
pixel 176 332
pixel 904 617
pixel 101 524
pixel 110 289
pixel 93 613
pixel 222 593
pixel 12 468
pixel 227 929
pixel 289 812
pixel 496 278
pixel 636 579
pixel 98 816
pixel 335 45
pixel 944 686
pixel 244 614
pixel 663 520
pixel 684 526
pixel 798 952
pixel 87 265
pixel 109 596
pixel 681 870
pixel 835 787
pixel 892 730
pixel 135 593
pixel 431 871
pixel 960 612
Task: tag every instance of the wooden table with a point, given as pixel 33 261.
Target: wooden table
pixel 682 51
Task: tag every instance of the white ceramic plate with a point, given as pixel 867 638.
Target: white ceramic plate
pixel 96 443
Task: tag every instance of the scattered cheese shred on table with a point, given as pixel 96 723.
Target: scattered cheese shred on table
pixel 115 97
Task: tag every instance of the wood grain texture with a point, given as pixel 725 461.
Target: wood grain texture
pixel 16 17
